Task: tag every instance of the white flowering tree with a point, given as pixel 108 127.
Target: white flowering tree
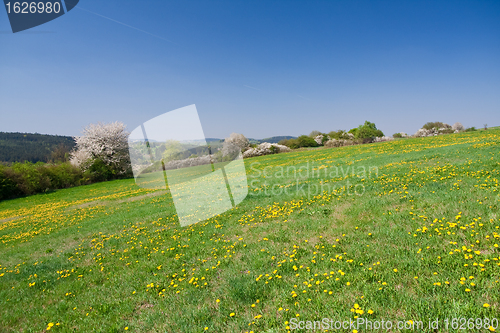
pixel 238 140
pixel 103 143
pixel 458 127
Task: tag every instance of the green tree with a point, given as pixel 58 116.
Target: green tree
pixel 314 134
pixel 173 151
pixel 290 143
pixel 306 141
pixel 435 124
pixel 339 135
pixel 366 132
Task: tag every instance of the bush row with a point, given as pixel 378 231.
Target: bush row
pixel 365 133
pixel 301 141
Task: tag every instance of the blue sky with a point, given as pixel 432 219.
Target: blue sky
pixel 261 68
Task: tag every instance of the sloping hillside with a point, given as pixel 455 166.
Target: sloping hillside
pixel 399 231
pixel 20 147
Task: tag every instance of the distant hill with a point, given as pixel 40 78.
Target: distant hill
pixel 20 147
pixel 254 141
pixel 276 139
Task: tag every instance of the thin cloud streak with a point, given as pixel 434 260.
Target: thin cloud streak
pixel 252 88
pixel 129 26
pixel 308 99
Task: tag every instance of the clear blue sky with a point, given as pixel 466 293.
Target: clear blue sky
pixel 261 68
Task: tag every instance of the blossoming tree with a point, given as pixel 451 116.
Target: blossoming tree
pixel 104 144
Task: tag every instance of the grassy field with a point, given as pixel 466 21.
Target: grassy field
pixel 402 230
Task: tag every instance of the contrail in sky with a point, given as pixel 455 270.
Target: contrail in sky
pixel 129 26
pixel 252 87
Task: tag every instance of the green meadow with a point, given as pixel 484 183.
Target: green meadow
pixel 405 231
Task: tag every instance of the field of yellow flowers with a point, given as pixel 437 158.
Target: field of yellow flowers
pixel 403 231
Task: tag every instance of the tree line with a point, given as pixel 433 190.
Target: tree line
pixel 100 154
pixel 21 147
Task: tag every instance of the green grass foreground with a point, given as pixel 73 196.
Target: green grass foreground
pixel 401 230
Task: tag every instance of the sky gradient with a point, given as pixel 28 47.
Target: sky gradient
pixel 261 68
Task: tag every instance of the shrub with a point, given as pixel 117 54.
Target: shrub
pixel 266 148
pixel 366 133
pixel 423 133
pixel 8 184
pixel 61 175
pixel 339 143
pixel 446 131
pixel 301 141
pixel 332 143
pixel 432 129
pixel 435 124
pixel 458 127
pixel 306 141
pixel 397 135
pixel 471 129
pixel 290 143
pixel 314 134
pixel 28 178
pixel 382 139
pixel 340 135
pixel 100 171
pixel 321 139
